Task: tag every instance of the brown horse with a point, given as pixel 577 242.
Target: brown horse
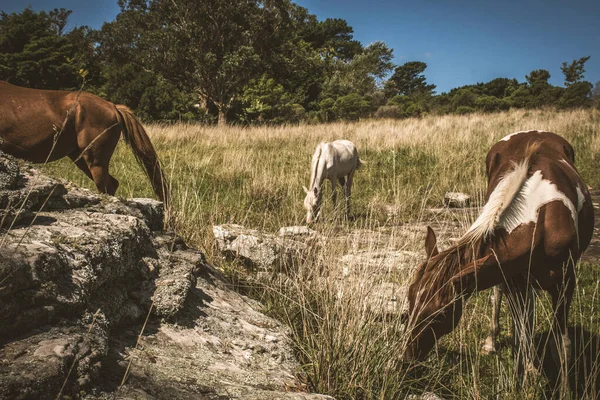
pixel 537 221
pixel 47 125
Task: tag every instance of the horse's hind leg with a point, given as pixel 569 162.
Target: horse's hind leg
pixel 561 301
pixel 97 156
pixel 81 164
pixel 521 301
pixel 348 193
pixel 489 345
pixel 104 182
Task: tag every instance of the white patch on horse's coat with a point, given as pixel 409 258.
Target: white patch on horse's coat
pixel 507 137
pixel 535 193
pixel 516 200
pixel 580 199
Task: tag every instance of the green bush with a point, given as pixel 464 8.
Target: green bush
pixel 576 95
pixel 491 104
pixel 388 112
pixel 464 98
pixel 463 110
pixel 351 107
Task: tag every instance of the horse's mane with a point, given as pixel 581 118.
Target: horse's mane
pixel 315 163
pixel 436 274
pixel 501 204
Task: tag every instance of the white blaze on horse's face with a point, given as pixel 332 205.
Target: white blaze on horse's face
pixel 312 205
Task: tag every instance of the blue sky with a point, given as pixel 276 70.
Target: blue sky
pixel 462 41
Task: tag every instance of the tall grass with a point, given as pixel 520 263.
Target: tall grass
pixel 254 177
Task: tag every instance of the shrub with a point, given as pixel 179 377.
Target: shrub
pixel 576 95
pixel 464 98
pixel 462 110
pixel 388 112
pixel 491 103
pixel 351 107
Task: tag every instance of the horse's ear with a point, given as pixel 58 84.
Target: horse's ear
pixel 479 275
pixel 431 243
pixel 305 189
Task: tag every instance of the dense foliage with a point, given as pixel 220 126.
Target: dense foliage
pixel 251 62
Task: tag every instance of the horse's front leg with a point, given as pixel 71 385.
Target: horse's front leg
pixel 489 345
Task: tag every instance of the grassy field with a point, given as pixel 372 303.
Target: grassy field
pixel 254 177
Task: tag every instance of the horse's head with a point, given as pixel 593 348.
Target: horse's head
pixel 312 203
pixel 433 308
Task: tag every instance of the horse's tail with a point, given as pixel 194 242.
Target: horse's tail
pixel 359 163
pixel 136 137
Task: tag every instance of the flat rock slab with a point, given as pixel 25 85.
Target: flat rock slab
pixel 262 251
pixel 220 347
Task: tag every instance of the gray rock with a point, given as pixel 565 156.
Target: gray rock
pixel 77 281
pixel 457 200
pixel 293 232
pixel 425 396
pixel 258 250
pixel 153 211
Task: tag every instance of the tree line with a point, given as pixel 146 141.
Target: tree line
pixel 249 62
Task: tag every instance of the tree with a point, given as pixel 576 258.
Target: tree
pixel 266 101
pixel 538 81
pixel 491 104
pixel 521 97
pixel 596 94
pixel 464 98
pixel 34 51
pixel 368 67
pixel 212 47
pixel 576 95
pixel 574 72
pixel 408 80
pixel 500 87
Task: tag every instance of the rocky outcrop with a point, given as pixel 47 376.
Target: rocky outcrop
pixel 260 251
pixel 92 291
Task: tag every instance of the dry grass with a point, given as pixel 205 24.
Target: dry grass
pixel 254 177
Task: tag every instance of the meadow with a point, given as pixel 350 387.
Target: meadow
pixel 253 176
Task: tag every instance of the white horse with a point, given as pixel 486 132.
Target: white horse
pixel 337 162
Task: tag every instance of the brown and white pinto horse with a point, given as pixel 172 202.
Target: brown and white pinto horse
pixel 537 221
pixel 47 125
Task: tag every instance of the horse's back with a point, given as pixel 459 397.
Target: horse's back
pixel 342 157
pixel 30 118
pixel 554 202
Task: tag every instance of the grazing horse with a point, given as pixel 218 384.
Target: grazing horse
pixel 47 125
pixel 336 161
pixel 536 223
